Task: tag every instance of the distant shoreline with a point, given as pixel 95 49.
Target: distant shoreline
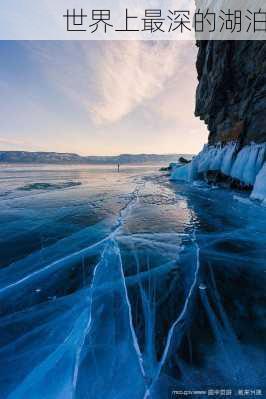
pixel 27 157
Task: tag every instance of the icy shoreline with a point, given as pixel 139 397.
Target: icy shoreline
pixel 247 166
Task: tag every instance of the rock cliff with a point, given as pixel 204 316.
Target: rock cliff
pixel 231 99
pixel 231 94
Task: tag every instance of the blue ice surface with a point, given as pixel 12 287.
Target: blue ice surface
pixel 127 286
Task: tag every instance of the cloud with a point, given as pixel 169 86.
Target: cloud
pixel 129 74
pixel 123 90
pixel 68 67
pixel 176 103
pixel 11 141
pixel 110 79
pixel 13 144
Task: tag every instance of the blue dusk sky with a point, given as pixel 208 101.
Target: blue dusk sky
pixel 99 98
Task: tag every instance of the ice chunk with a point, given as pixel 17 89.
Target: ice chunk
pixel 181 173
pixel 259 190
pixel 205 158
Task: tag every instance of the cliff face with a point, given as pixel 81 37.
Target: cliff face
pixel 231 94
pixel 231 99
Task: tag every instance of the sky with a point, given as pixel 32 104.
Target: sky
pixel 99 97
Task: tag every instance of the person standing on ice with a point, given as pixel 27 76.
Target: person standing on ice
pixel 118 164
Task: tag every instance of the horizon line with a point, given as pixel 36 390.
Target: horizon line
pixel 101 155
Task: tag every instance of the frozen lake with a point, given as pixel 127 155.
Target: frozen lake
pixel 126 285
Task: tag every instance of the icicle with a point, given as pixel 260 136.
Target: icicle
pixel 260 158
pixel 244 167
pixel 228 158
pixel 216 162
pixel 253 164
pixel 240 163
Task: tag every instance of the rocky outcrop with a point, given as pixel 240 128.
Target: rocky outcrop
pixel 231 94
pixel 231 99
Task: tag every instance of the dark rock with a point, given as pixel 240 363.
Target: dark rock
pixel 226 181
pixel 231 94
pixel 183 160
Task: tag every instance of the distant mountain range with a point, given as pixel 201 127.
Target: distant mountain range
pixel 68 158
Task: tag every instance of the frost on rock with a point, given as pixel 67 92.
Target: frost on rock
pixel 243 166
